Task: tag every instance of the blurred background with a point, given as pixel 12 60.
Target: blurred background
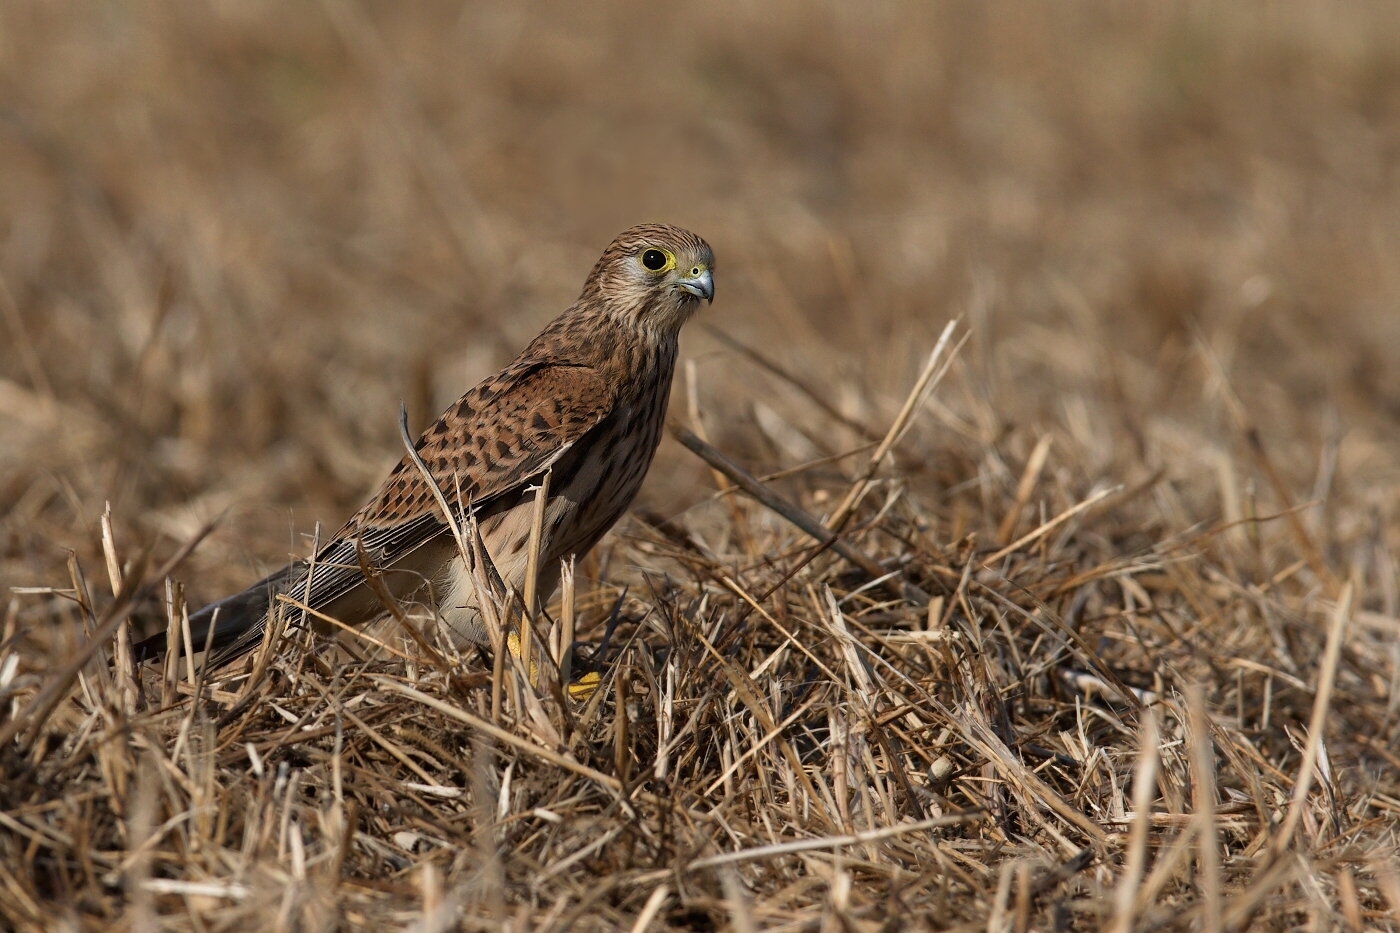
pixel 235 233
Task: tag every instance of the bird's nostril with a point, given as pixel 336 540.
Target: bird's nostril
pixel 695 271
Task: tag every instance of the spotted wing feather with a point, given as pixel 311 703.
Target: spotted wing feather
pixel 497 439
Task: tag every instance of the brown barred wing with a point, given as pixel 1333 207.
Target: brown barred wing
pixel 496 440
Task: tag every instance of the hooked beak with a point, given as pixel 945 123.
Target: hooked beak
pixel 701 285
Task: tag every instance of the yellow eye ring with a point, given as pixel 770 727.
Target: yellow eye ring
pixel 657 260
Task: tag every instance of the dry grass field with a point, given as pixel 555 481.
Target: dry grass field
pixel 1131 656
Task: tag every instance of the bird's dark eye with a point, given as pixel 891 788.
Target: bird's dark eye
pixel 654 259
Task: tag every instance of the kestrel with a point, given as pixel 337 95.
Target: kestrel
pixel 585 402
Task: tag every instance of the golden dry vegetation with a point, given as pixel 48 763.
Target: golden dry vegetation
pixel 1152 505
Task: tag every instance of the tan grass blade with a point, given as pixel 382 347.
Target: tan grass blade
pixel 651 908
pixel 122 660
pixel 532 571
pixel 1144 792
pixel 1203 801
pixel 1034 464
pixel 1302 784
pixel 928 379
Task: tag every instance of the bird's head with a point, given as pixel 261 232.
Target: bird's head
pixel 653 277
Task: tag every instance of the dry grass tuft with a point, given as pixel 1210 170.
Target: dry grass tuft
pixel 1148 506
pixel 783 739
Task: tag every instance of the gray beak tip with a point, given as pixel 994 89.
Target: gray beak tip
pixel 701 286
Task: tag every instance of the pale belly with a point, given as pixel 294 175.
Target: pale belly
pixel 575 519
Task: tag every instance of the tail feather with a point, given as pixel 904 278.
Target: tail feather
pixel 232 617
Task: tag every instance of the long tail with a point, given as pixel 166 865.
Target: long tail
pixel 234 618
